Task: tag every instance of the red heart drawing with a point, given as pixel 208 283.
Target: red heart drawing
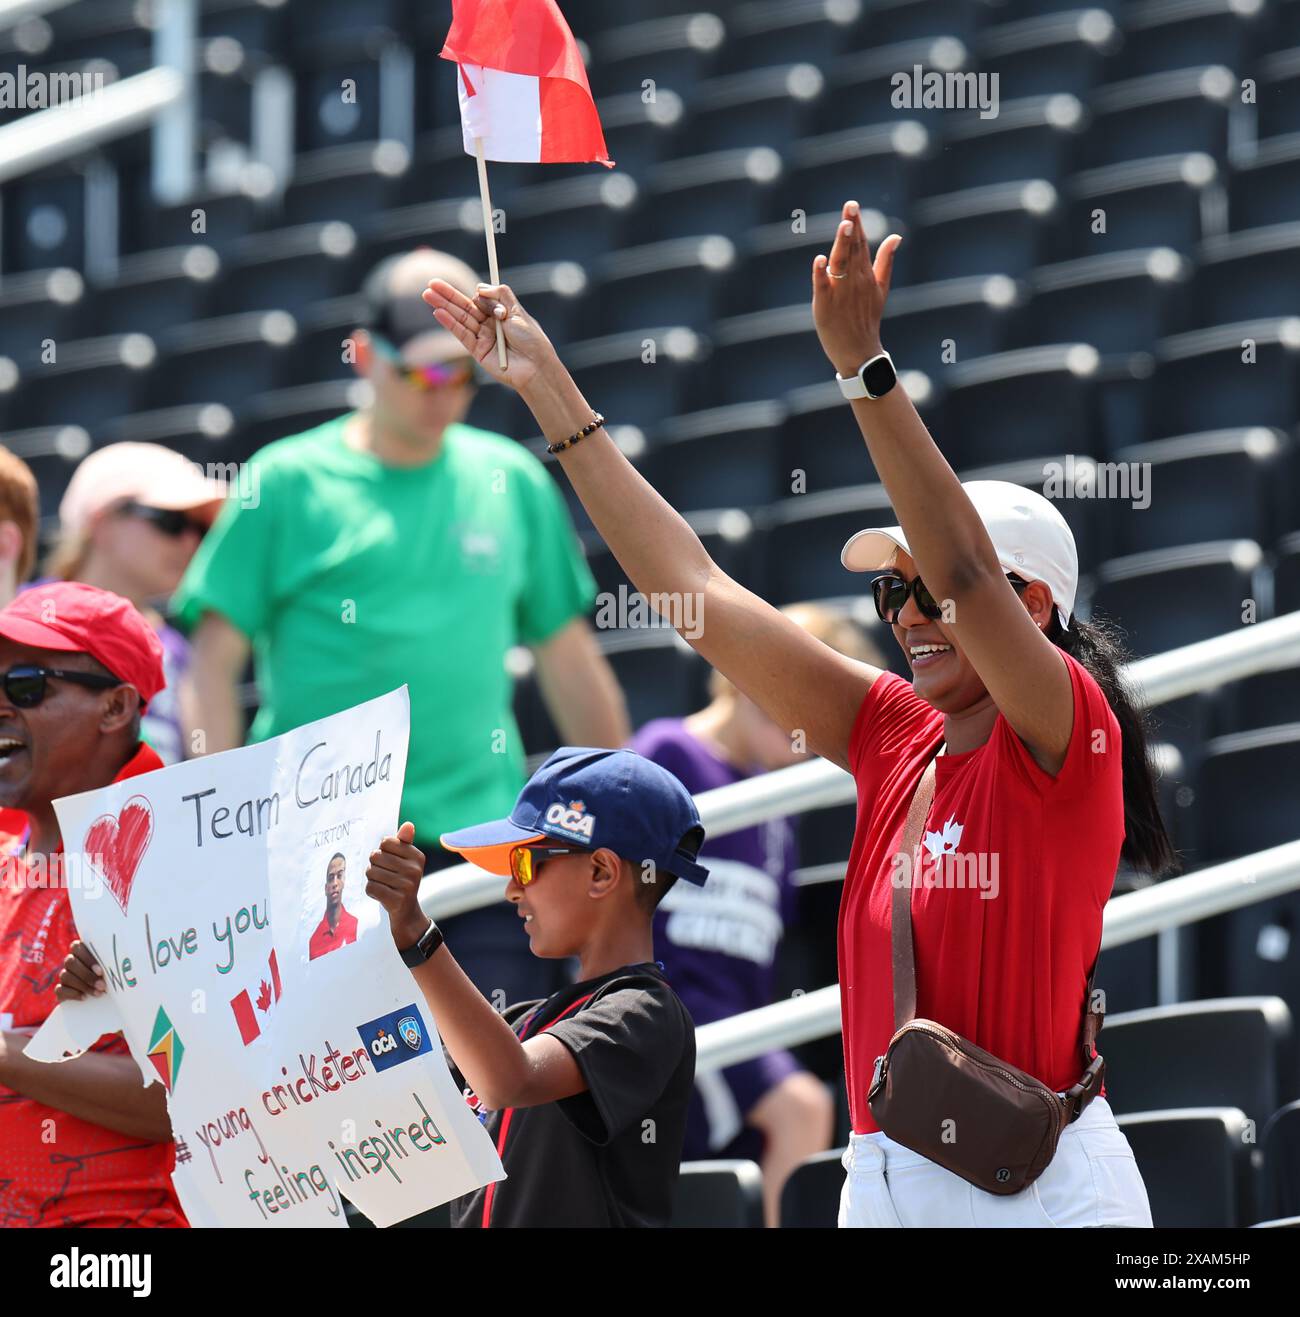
pixel 116 845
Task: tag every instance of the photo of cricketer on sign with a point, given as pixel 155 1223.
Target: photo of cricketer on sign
pixel 291 1081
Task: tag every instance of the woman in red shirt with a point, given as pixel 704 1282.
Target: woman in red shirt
pixel 1042 775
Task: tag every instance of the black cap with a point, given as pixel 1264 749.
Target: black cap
pixel 394 308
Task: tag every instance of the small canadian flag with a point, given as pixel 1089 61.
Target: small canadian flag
pixel 247 1005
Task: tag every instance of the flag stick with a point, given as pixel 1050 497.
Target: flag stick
pixel 491 241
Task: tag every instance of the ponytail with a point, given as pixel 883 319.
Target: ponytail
pixel 1096 646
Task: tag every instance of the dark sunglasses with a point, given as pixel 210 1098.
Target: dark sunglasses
pixel 424 378
pixel 525 861
pixel 25 685
pixel 169 521
pixel 891 591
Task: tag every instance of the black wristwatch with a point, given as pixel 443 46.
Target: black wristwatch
pixel 428 942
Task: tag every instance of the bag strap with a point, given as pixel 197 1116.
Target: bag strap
pixel 900 930
pixel 904 963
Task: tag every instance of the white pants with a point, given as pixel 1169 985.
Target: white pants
pixel 1092 1181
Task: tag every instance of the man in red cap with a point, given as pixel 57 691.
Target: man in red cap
pixel 82 1143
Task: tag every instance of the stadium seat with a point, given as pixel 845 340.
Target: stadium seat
pixel 718 1195
pixel 676 51
pixel 342 21
pixel 1170 201
pixel 1162 114
pixel 1286 575
pixel 1267 699
pixel 1246 373
pixel 660 675
pixel 89 379
pixel 735 448
pixel 1051 53
pixel 1280 1152
pixel 777 258
pixel 153 291
pixel 1172 597
pixel 805 536
pixel 721 192
pixel 906 20
pixel 40 305
pixel 52 452
pixel 1279 93
pixel 356 88
pixel 762 354
pixel 554 221
pixel 639 378
pixel 759 107
pixel 1156 1058
pixel 224 359
pixel 1044 400
pixel 1086 294
pixel 1285 24
pixel 998 229
pixel 1031 138
pixel 821 445
pixel 258 25
pixel 352 182
pixel 202 431
pixel 1219 485
pixel 278 413
pixel 877 165
pixel 1248 275
pixel 112 30
pixel 1265 189
pixel 680 280
pixel 453 225
pixel 861 89
pixel 769 32
pixel 1160 35
pixel 1195 1164
pixel 45 220
pixel 289 269
pixel 213 218
pixel 811 1196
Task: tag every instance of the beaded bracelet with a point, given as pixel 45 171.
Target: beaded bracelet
pixel 582 434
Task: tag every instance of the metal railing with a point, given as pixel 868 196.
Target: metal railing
pixel 1261 647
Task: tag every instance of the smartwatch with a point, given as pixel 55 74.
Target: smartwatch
pixel 429 941
pixel 873 379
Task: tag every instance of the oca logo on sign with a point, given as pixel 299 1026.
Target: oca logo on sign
pixel 392 1039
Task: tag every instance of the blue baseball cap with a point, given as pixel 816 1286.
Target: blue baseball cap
pixel 595 798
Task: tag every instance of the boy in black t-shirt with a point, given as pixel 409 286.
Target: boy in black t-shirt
pixel 586 1093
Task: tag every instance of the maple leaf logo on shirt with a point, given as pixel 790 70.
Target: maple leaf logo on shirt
pixel 946 841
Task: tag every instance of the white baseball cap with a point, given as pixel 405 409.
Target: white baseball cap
pixel 148 473
pixel 1029 535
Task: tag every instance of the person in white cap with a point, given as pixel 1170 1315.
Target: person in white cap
pixel 1042 783
pixel 130 521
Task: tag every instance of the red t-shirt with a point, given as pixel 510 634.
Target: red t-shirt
pixel 326 939
pixel 57 1170
pixel 1008 972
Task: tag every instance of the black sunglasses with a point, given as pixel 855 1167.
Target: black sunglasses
pixel 169 521
pixel 25 686
pixel 891 591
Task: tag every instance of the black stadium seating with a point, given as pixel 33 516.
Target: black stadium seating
pixel 1102 277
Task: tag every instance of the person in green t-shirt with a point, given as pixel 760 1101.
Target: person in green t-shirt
pixel 398 545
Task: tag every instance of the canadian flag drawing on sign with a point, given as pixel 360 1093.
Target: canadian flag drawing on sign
pixel 253 1004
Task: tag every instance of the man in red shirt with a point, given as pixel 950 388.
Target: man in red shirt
pixel 82 1143
pixel 338 928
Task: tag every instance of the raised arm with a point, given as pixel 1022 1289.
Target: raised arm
pixel 1022 670
pixel 798 681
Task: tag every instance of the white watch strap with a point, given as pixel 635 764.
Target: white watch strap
pixel 853 387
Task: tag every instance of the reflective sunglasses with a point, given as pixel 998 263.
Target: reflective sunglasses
pixel 525 861
pixel 424 378
pixel 171 522
pixel 891 592
pixel 25 686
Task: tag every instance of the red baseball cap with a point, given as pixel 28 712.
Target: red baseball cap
pixel 77 618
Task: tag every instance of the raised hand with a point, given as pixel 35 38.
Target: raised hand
pixel 473 321
pixel 393 878
pixel 849 292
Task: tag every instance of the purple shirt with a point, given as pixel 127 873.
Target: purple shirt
pixel 718 942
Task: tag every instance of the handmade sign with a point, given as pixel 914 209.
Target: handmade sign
pixel 253 977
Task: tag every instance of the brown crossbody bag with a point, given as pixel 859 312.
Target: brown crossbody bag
pixel 954 1103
